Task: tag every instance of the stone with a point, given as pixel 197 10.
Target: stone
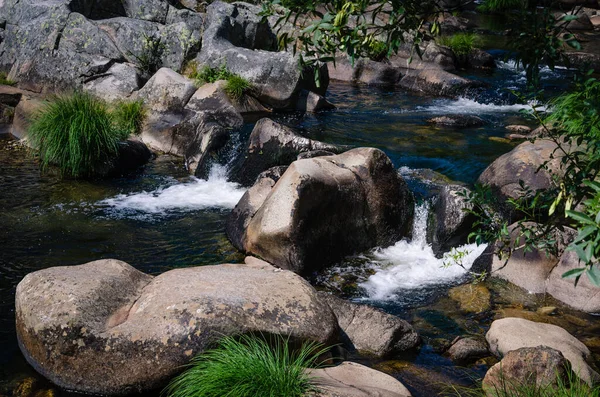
pixel 472 298
pixel 311 102
pixel 585 296
pixel 467 350
pixel 132 154
pixel 25 109
pixel 518 129
pixel 194 20
pixel 324 208
pixel 521 164
pixel 167 91
pixel 355 380
pixel 581 23
pixel 547 310
pixel 479 59
pixel 237 37
pixel 437 82
pixel 181 42
pixel 272 144
pixel 510 334
pixel 106 328
pixel 371 331
pixel 365 71
pixel 457 121
pixel 119 82
pixel 539 366
pixel 449 223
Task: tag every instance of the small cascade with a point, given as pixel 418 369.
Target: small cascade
pixel 192 195
pixel 409 265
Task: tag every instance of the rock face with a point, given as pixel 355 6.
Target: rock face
pixel 236 36
pixel 449 223
pixel 370 330
pixel 539 366
pixel 273 144
pixel 325 208
pixel 68 44
pixel 109 329
pixel 521 164
pixel 355 380
pixel 186 121
pixel 510 334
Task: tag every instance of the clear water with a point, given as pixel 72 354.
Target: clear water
pixel 162 218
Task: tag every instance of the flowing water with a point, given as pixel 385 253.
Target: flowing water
pixel 162 218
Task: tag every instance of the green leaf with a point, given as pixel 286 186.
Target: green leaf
pixel 574 272
pixel 580 217
pixel 594 275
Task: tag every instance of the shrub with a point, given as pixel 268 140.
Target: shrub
pixel 129 116
pixel 150 58
pixel 75 132
pixel 247 367
pixel 4 79
pixel 460 43
pixel 501 5
pixel 210 75
pixel 236 86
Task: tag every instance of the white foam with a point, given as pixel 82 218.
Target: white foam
pixel 412 264
pixel 197 194
pixel 469 106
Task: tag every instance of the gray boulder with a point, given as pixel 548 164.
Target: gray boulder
pixel 457 121
pixel 106 328
pixel 325 208
pixel 365 71
pixel 273 144
pixel 538 367
pixel 510 334
pixel 119 82
pixel 437 82
pixel 237 37
pixel 167 91
pixel 467 350
pixel 449 223
pixel 355 380
pixel 371 331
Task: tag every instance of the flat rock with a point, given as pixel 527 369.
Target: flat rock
pixel 355 380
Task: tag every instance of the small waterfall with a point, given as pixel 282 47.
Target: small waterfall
pixel 410 265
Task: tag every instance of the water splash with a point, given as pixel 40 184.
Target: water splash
pixel 470 106
pixel 197 194
pixel 409 265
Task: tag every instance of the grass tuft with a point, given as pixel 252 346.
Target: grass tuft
pixel 236 86
pixel 502 5
pixel 460 43
pixel 76 132
pixel 129 116
pixel 4 79
pixel 248 366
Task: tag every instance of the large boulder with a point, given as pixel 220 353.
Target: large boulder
pixel 237 36
pixel 467 350
pixel 272 144
pixel 511 333
pixel 540 367
pixel 370 330
pixel 355 380
pixel 522 164
pixel 167 91
pixel 106 328
pixel 437 82
pixel 325 208
pixel 119 82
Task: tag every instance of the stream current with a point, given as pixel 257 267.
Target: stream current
pixel 162 218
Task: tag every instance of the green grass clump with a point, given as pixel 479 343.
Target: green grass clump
pixel 460 43
pixel 577 112
pixel 76 132
pixel 129 116
pixel 248 366
pixel 501 5
pixel 236 86
pixel 4 79
pixel 210 75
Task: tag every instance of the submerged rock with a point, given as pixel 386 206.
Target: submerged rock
pixel 273 144
pixel 538 367
pixel 472 298
pixel 355 380
pixel 457 121
pixel 510 334
pixel 106 328
pixel 371 331
pixel 325 208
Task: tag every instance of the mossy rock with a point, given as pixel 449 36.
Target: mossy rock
pixel 472 298
pixel 31 387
